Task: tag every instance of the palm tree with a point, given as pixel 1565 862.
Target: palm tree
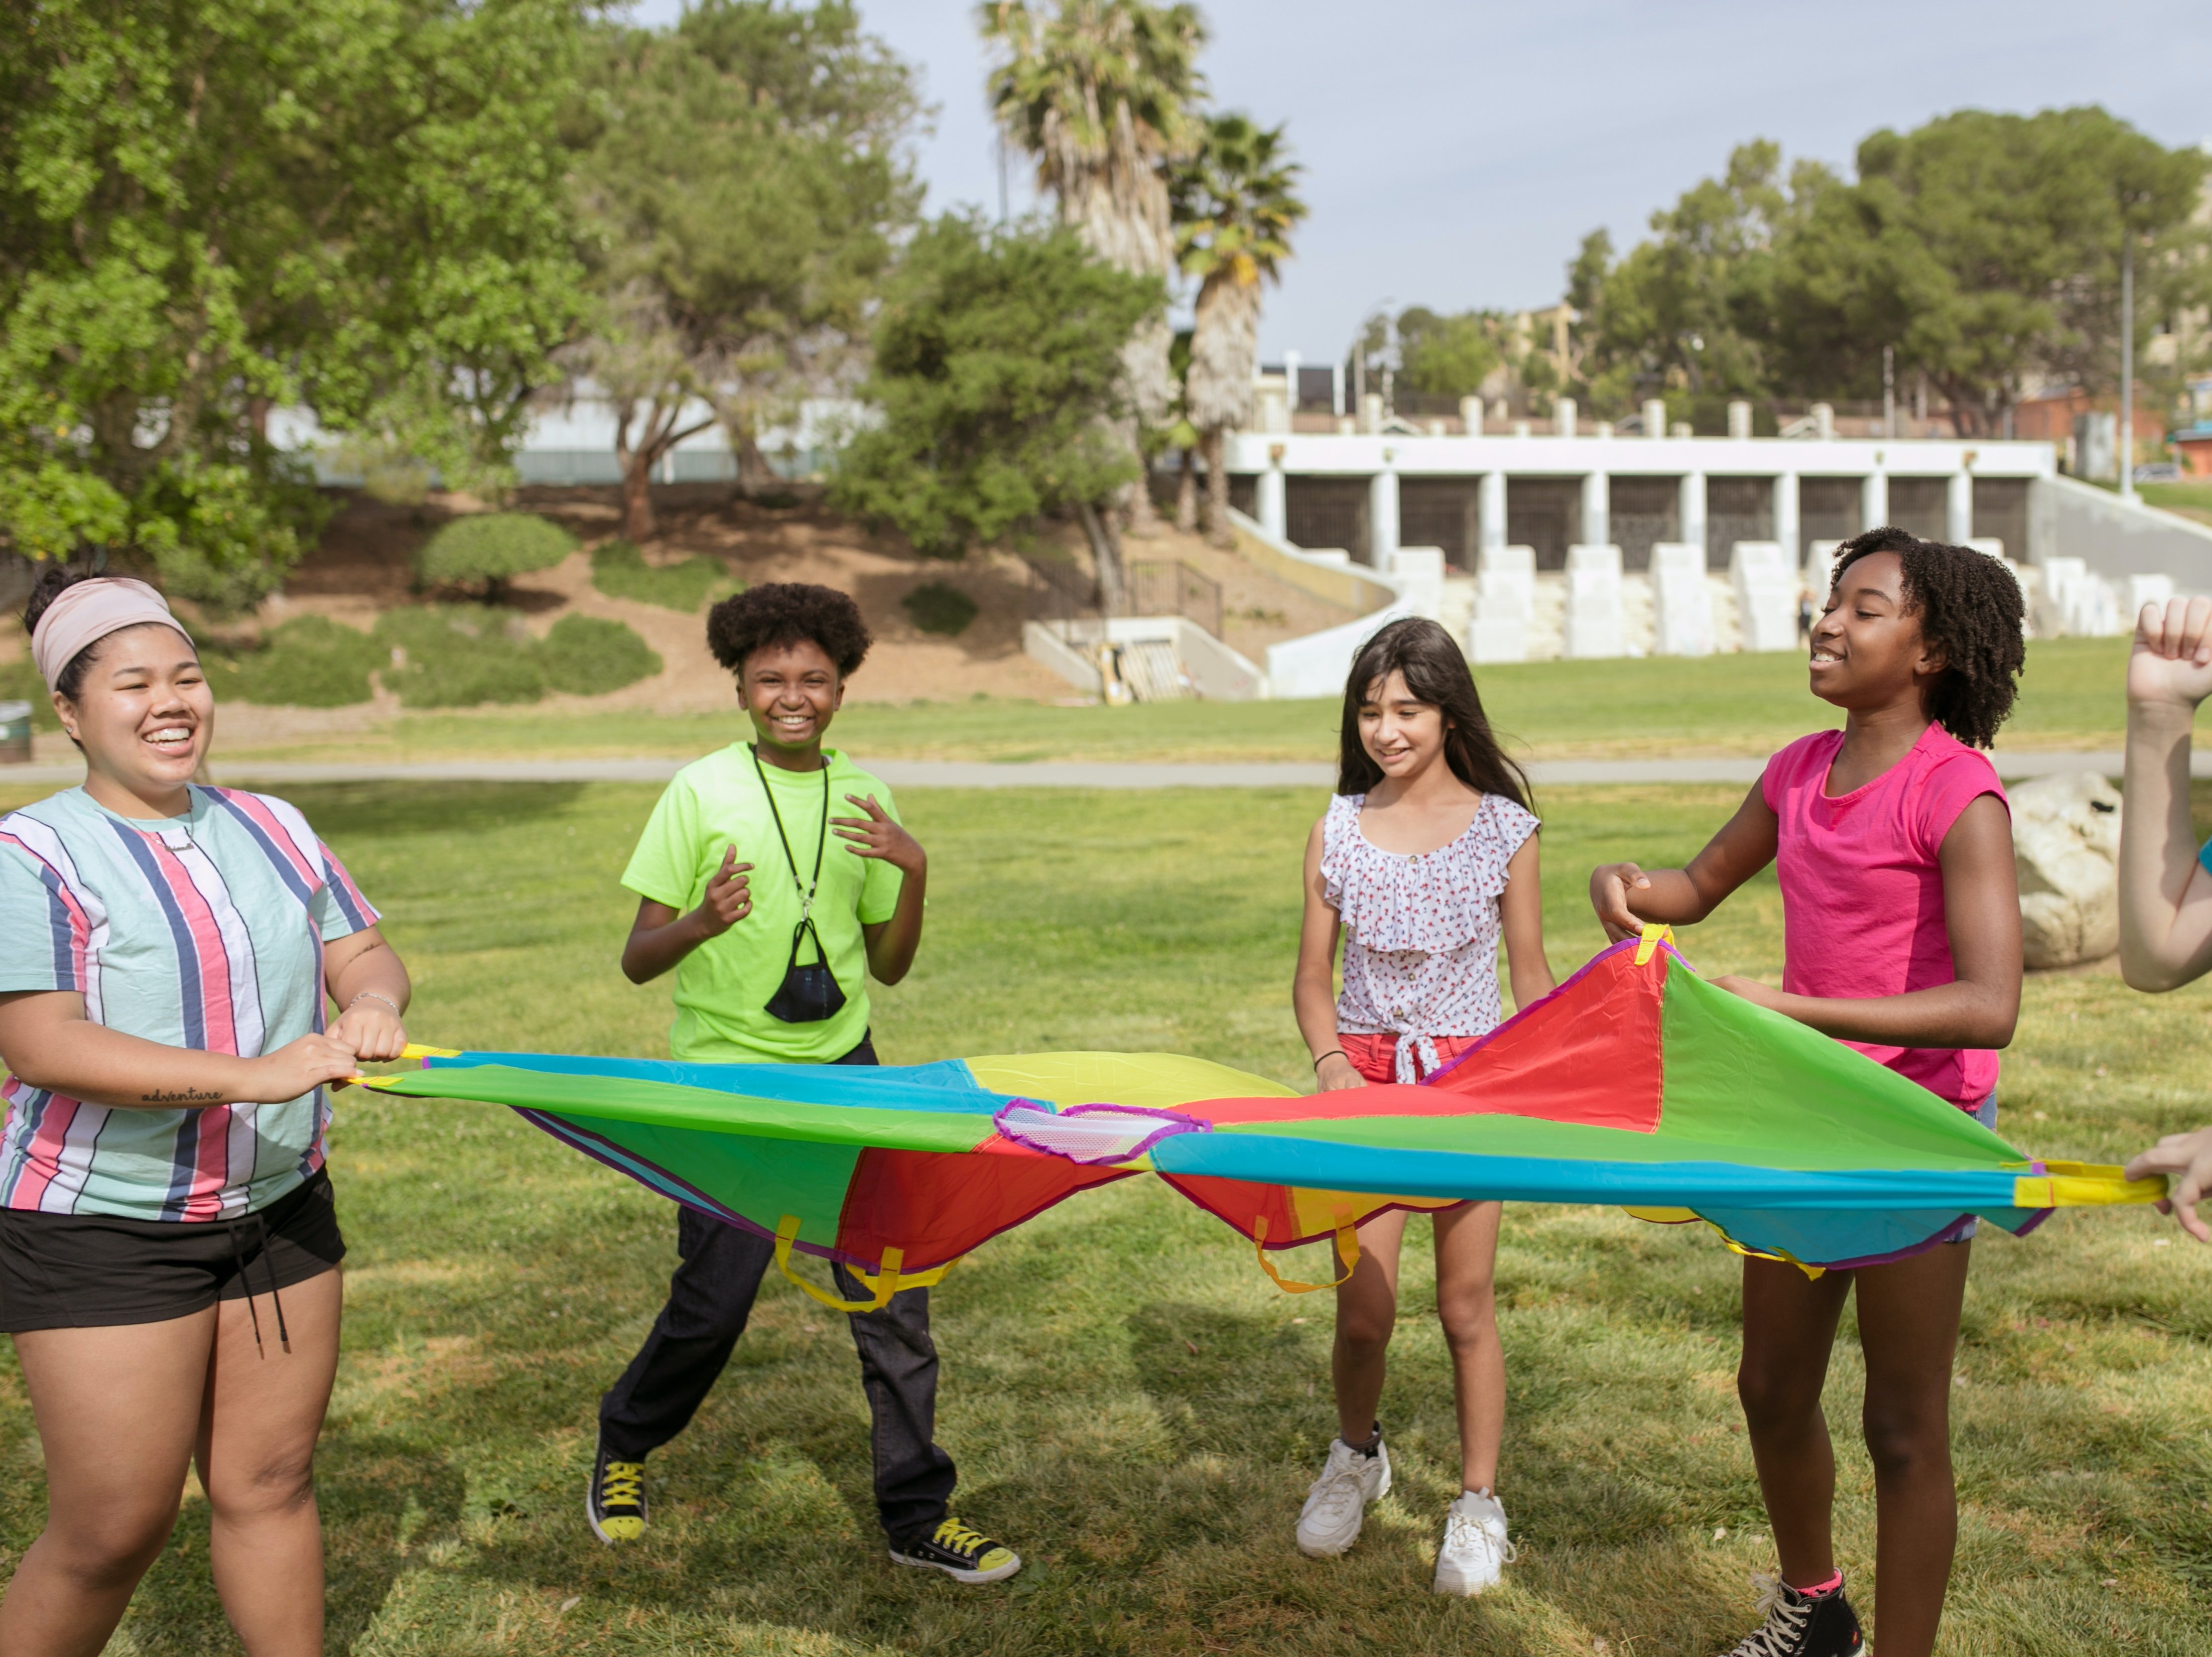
pixel 1101 93
pixel 1234 211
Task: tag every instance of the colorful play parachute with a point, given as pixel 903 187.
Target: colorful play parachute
pixel 1635 1084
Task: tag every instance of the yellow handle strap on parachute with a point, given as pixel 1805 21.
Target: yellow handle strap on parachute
pixel 1347 1249
pixel 2083 1185
pixel 410 1051
pixel 883 1285
pixel 1654 934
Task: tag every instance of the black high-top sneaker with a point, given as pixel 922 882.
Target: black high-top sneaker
pixel 1801 1625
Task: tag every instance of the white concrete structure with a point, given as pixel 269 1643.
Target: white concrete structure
pixel 1383 514
pixel 1498 465
pixel 1819 567
pixel 1594 621
pixel 1319 663
pixel 1681 601
pixel 1420 572
pixel 2137 591
pixel 1505 605
pixel 1080 650
pixel 1764 579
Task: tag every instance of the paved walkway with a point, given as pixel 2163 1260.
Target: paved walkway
pixel 966 774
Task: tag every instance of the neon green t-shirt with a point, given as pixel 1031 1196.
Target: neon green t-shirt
pixel 723 986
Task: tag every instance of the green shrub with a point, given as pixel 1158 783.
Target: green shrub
pixel 465 655
pixel 619 570
pixel 459 656
pixel 588 657
pixel 310 661
pixel 488 549
pixel 938 607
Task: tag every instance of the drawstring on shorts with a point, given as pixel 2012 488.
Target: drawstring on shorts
pixel 260 1225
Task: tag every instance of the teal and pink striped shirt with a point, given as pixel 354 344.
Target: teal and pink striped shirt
pixel 204 931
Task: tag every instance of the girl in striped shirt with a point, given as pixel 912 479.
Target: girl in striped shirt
pixel 168 1243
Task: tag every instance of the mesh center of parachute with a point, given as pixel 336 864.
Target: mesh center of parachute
pixel 1092 1133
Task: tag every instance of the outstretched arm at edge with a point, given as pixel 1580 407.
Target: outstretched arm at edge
pixel 2165 896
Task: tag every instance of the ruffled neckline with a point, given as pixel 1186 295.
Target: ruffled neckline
pixel 1435 902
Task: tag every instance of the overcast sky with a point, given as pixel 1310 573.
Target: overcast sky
pixel 1455 154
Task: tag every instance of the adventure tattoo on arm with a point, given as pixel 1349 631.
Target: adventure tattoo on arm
pixel 183 1096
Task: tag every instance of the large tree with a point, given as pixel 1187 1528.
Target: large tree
pixel 209 209
pixel 1102 93
pixel 1448 355
pixel 1687 312
pixel 1234 210
pixel 743 182
pixel 997 378
pixel 1984 249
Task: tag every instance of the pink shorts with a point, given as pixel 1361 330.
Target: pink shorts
pixel 1375 1056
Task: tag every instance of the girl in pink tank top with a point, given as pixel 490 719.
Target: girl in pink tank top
pixel 1425 862
pixel 1892 843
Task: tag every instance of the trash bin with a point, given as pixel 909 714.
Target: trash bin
pixel 15 733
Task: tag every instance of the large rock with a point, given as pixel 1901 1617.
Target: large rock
pixel 2066 845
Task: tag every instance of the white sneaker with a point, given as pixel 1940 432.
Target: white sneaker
pixel 1475 1550
pixel 1329 1522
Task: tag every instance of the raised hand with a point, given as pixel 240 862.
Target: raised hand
pixel 1610 884
pixel 729 897
pixel 2172 661
pixel 876 836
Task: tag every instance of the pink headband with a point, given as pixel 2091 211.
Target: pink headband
pixel 88 612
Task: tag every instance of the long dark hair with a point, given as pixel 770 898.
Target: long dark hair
pixel 1436 672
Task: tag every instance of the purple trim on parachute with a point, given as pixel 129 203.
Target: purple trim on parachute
pixel 628 1162
pixel 1172 1122
pixel 1948 1233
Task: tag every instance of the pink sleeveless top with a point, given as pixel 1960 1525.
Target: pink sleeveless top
pixel 1862 892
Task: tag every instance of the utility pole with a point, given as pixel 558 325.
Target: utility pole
pixel 1889 391
pixel 2127 444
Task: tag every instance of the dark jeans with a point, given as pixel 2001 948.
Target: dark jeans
pixel 709 1299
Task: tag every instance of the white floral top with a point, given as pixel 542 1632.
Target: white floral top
pixel 1421 929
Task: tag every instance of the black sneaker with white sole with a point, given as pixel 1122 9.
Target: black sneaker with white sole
pixel 1801 1624
pixel 963 1554
pixel 614 1502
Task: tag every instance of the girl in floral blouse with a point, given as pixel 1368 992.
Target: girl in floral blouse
pixel 1426 856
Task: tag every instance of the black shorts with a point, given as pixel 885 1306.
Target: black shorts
pixel 91 1271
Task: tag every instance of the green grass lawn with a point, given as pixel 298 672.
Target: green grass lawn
pixel 2191 497
pixel 1130 1402
pixel 2070 698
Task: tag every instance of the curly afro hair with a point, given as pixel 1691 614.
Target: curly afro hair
pixel 1971 610
pixel 784 613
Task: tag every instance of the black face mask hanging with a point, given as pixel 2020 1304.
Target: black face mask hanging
pixel 809 993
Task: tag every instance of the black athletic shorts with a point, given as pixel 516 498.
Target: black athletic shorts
pixel 90 1271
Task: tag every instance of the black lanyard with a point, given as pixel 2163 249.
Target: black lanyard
pixel 805 893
